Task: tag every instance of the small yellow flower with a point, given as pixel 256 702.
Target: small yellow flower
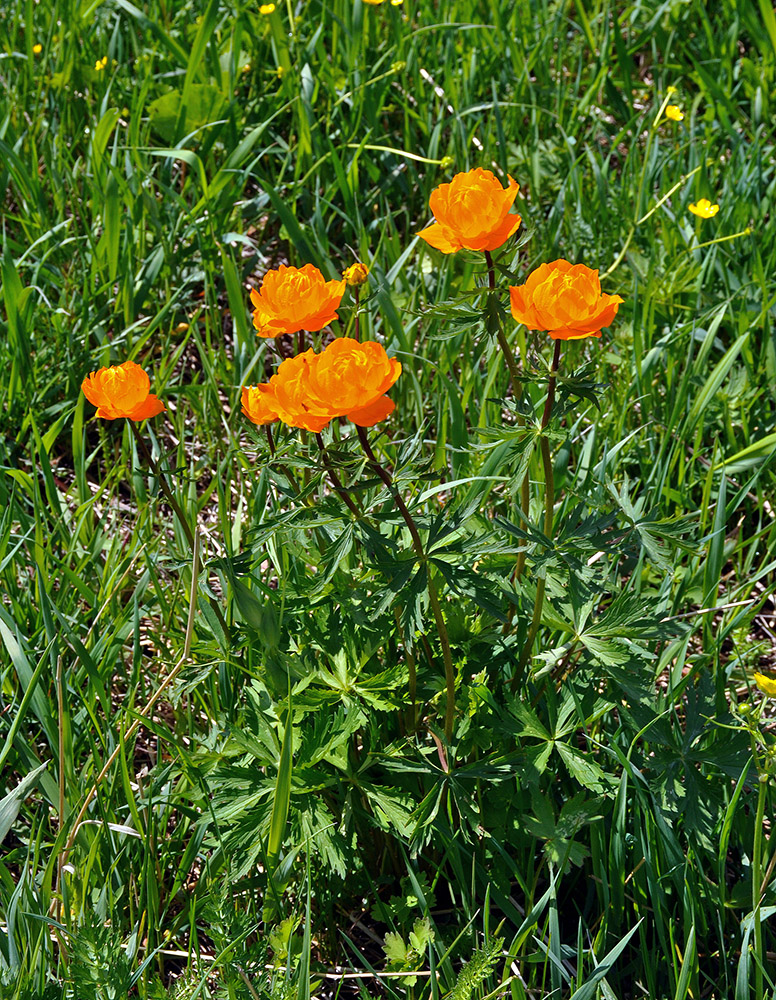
pixel 374 3
pixel 704 208
pixel 674 113
pixel 37 49
pixel 356 274
pixel 101 64
pixel 766 684
pixel 280 71
pixel 246 68
pixel 670 90
pixel 396 3
pixel 266 8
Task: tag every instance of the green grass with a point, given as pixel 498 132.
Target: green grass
pixel 598 834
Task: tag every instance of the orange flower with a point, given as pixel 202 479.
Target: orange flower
pixel 347 379
pixel 289 388
pixel 565 300
pixel 258 404
pixel 357 274
pixel 350 379
pixel 121 391
pixel 293 299
pixel 472 211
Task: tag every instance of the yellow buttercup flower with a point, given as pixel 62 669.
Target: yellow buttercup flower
pixel 266 8
pixel 766 684
pixel 674 113
pixel 37 48
pixel 101 64
pixel 704 208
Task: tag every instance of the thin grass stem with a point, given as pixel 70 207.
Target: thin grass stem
pixel 757 879
pixel 144 712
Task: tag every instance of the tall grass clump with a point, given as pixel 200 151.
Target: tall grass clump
pixel 387 543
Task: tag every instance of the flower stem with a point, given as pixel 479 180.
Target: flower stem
pixel 356 330
pixel 417 544
pixel 503 343
pixel 549 508
pixel 517 390
pixel 336 481
pixel 412 672
pixel 164 485
pixel 551 387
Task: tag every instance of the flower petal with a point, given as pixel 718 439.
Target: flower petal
pixel 370 415
pixel 440 238
pixel 150 407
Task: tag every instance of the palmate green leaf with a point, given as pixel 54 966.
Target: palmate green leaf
pixel 583 768
pixel 528 722
pixel 558 835
pixel 395 949
pixel 610 652
pixel 392 809
pixel 409 956
pixel 334 553
pixel 653 529
pixel 536 760
pixel 325 734
pixel 316 832
pixel 637 616
pixel 573 388
pixel 473 585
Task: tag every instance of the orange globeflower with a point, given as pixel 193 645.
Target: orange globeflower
pixel 472 211
pixel 347 379
pixel 565 300
pixel 258 404
pixel 351 379
pixel 289 387
pixel 357 274
pixel 121 391
pixel 293 299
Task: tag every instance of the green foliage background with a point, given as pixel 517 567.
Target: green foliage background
pixel 285 810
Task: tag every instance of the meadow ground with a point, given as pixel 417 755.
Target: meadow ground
pixel 461 704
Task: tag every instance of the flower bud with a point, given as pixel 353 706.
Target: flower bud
pixel 356 274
